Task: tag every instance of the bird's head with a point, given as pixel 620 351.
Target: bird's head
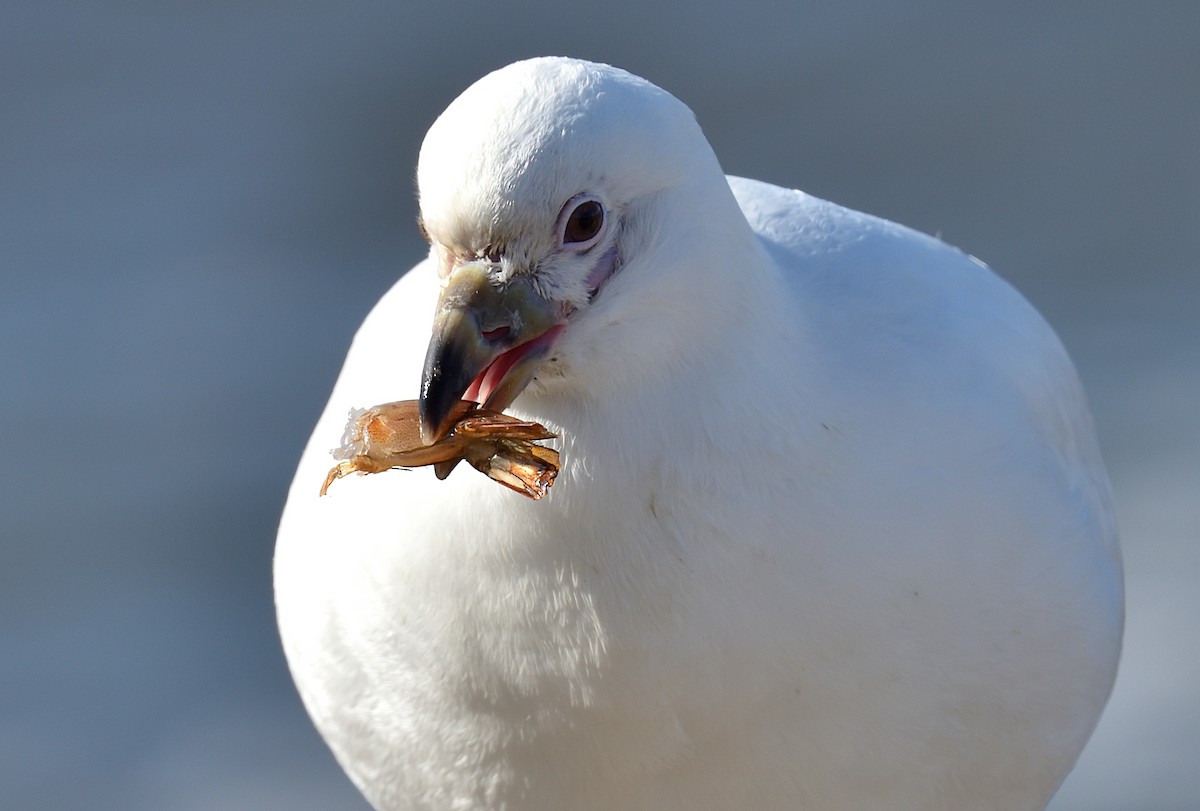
pixel 542 187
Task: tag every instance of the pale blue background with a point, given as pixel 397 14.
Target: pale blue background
pixel 200 201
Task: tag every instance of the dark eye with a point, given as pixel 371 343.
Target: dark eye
pixel 584 223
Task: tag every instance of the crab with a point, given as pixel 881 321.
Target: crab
pixel 499 446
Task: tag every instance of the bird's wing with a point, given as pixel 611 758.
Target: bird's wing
pixel 912 316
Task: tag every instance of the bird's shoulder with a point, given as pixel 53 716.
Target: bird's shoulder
pixel 881 296
pixel 901 320
pixel 817 241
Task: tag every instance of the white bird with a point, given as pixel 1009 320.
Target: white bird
pixel 832 530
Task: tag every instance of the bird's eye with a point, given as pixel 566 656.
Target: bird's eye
pixel 584 223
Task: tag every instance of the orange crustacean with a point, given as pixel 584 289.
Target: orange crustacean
pixel 502 447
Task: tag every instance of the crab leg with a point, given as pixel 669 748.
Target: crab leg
pixel 388 436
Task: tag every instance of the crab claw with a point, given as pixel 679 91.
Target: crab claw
pixel 518 465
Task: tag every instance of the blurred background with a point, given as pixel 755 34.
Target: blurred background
pixel 200 201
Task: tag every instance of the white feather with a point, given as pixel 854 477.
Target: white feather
pixel 832 530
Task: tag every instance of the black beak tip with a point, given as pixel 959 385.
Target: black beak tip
pixel 440 392
pixel 434 409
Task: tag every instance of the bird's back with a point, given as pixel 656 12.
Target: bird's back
pixel 960 441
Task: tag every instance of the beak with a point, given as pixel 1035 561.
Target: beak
pixel 488 340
